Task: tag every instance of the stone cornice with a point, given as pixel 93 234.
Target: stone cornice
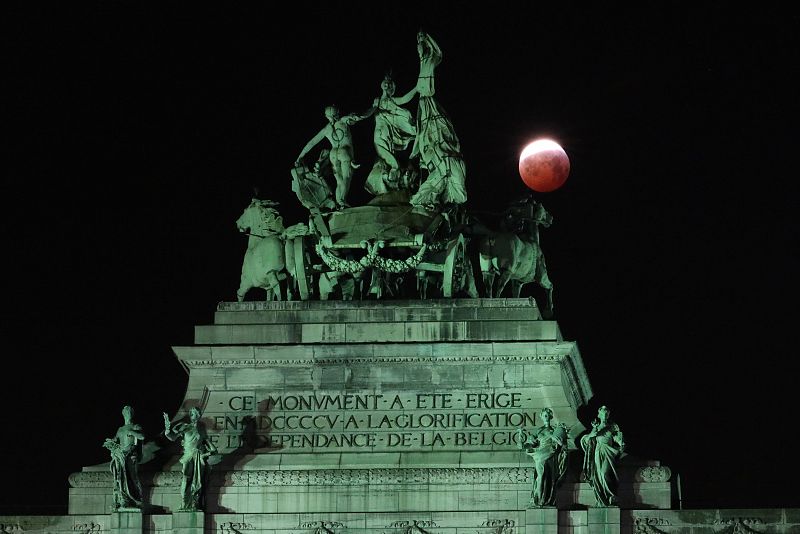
pixel 349 477
pixel 193 364
pixel 366 304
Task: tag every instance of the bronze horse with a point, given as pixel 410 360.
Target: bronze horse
pixel 514 253
pixel 265 259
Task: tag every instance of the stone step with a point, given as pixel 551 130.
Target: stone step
pixel 377 332
pixel 376 304
pixel 376 311
pixel 371 315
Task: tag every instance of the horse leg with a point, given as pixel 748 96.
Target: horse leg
pixel 549 288
pixel 469 283
pixel 488 281
pixel 289 266
pixel 273 286
pixel 359 284
pixel 516 288
pixel 348 287
pixel 376 284
pixel 505 276
pixel 289 285
pixel 488 272
pixel 325 286
pixel 422 284
pixel 544 281
pixel 244 287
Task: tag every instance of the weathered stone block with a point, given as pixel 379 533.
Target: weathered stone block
pixel 541 521
pixel 374 332
pixel 188 522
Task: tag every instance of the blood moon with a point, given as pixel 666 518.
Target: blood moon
pixel 543 165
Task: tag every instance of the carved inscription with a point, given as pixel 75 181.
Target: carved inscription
pixel 231 527
pixel 414 526
pixel 650 525
pixel 322 527
pixel 88 528
pixel 740 525
pixel 418 420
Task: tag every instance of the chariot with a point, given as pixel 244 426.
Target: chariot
pixel 385 239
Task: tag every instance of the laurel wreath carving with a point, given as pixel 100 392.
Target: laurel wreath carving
pixel 370 259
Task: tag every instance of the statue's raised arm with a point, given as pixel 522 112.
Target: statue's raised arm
pixel 337 131
pixel 194 465
pixel 436 145
pixel 430 55
pixel 317 139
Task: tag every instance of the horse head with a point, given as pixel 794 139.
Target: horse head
pixel 525 216
pixel 542 216
pixel 260 219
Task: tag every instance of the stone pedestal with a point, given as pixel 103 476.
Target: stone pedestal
pixel 188 522
pixel 375 416
pixel 126 522
pixel 541 520
pixel 573 522
pixel 604 520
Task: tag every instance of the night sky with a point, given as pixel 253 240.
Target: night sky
pixel 139 131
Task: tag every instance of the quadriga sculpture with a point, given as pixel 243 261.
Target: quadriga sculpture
pixel 514 253
pixel 264 259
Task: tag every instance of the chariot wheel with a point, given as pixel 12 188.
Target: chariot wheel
pixel 301 268
pixel 454 267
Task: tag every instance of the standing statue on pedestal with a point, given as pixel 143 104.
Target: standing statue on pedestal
pixel 394 131
pixel 603 447
pixel 547 446
pixel 194 461
pixel 337 132
pixel 436 144
pixel 126 451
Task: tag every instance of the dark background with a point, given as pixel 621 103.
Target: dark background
pixel 139 131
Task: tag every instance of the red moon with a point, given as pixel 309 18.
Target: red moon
pixel 544 166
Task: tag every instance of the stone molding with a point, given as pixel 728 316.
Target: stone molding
pixel 414 526
pixel 650 525
pixel 330 477
pixel 231 527
pixel 51 524
pixel 660 473
pixel 715 521
pixel 323 527
pixel 88 528
pixel 739 525
pixel 91 479
pixel 506 302
pixel 199 364
pixel 383 477
pixel 103 479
